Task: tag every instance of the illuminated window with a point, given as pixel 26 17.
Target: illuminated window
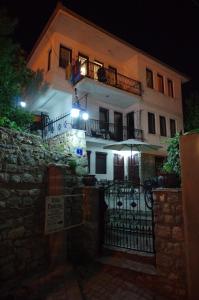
pixel 151 123
pixel 149 78
pixel 163 128
pixel 170 88
pixel 97 65
pixel 65 56
pixel 83 64
pixel 172 127
pixel 160 83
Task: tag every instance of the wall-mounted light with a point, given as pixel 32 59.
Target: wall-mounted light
pixel 22 104
pixel 85 116
pixel 77 111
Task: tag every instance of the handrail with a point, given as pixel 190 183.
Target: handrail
pixel 107 76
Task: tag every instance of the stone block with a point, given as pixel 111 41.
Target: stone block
pixel 15 178
pixel 16 233
pixel 27 178
pixel 163 231
pixel 7 271
pixel 177 233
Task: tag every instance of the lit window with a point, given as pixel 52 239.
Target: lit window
pixel 149 78
pixel 170 88
pixel 160 83
pixel 65 56
pixel 83 64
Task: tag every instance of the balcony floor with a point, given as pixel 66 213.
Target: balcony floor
pixel 107 93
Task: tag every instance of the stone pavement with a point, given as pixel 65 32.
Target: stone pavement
pixel 97 282
pixel 91 281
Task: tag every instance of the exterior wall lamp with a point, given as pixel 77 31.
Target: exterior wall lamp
pixel 77 110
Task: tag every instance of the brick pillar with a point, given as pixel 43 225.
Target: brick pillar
pixel 57 240
pixel 189 154
pixel 91 218
pixel 170 243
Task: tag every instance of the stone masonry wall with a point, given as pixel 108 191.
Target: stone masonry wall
pixel 170 243
pixel 23 165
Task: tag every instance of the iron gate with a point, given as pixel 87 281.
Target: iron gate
pixel 129 218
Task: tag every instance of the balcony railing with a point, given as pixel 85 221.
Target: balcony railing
pixel 108 76
pixel 92 128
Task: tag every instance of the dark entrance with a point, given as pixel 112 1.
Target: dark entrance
pixel 133 168
pixel 130 125
pixel 103 118
pixel 118 126
pixel 118 162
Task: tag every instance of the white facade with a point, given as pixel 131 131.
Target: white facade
pixel 81 37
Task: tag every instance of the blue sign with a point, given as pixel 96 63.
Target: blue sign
pixel 79 151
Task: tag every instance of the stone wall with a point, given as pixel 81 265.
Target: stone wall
pixel 68 142
pixel 23 168
pixel 170 243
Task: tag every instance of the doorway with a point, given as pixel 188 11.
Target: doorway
pixel 130 125
pixel 118 126
pixel 118 165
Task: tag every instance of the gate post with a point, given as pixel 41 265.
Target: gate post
pixel 189 154
pixel 170 243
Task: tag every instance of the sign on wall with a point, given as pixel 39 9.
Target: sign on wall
pixel 63 212
pixel 54 215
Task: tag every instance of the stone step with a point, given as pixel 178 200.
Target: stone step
pixel 142 257
pixel 128 264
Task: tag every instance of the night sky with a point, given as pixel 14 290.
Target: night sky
pixel 166 29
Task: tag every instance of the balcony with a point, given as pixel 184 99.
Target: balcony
pixel 93 128
pixel 107 85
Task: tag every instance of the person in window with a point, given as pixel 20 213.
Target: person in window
pixel 101 74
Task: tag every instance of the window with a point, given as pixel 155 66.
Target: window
pixel 83 59
pixel 49 59
pixel 96 66
pixel 172 127
pixel 149 78
pixel 103 118
pixel 89 160
pixel 112 75
pixel 65 56
pixel 151 123
pixel 170 88
pixel 160 83
pixel 100 163
pixel 163 128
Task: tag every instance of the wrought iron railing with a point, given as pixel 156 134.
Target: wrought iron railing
pixel 128 218
pixel 108 76
pixel 92 127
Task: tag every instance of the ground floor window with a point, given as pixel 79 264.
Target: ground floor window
pixel 100 163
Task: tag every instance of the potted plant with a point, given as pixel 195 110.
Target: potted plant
pixel 89 180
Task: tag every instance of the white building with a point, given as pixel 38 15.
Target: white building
pixel 134 96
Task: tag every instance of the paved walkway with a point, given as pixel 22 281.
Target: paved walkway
pixel 97 283
pixel 86 282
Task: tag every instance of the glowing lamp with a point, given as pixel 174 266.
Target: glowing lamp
pixel 22 104
pixel 85 116
pixel 75 112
